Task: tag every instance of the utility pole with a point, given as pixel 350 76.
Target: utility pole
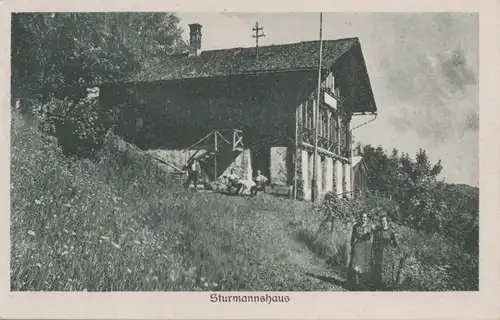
pixel 314 189
pixel 215 154
pixel 257 35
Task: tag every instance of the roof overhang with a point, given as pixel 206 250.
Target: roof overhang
pixel 365 103
pixel 208 77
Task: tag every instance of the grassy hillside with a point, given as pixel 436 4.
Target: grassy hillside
pixel 120 224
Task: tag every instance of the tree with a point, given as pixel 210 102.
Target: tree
pixel 412 183
pixel 422 202
pixel 54 52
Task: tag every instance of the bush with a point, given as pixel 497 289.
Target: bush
pixel 437 263
pixel 432 261
pixel 78 123
pixel 75 226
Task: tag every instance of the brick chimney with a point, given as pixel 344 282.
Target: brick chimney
pixel 194 39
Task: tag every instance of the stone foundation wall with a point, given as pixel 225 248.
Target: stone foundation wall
pixel 339 172
pixel 333 175
pixel 329 173
pixel 242 166
pixel 347 175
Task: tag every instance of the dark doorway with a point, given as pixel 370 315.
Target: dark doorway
pixel 260 160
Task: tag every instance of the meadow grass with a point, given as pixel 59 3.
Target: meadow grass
pixel 120 224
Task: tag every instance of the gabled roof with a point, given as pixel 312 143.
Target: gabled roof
pixel 359 161
pixel 302 56
pixel 356 160
pixel 236 61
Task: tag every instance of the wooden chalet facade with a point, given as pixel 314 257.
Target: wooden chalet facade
pixel 177 100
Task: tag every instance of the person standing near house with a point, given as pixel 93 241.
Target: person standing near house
pixel 260 184
pixel 194 169
pixel 383 254
pixel 359 269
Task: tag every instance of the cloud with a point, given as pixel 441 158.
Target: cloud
pixel 437 93
pixel 425 76
pixel 456 70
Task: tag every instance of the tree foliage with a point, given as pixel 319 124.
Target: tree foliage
pixel 54 51
pixel 425 201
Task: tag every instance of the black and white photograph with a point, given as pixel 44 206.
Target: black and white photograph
pixel 229 161
pixel 216 152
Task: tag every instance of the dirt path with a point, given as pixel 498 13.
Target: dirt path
pixel 277 239
pixel 313 266
pixel 297 253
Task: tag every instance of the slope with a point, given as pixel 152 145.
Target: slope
pixel 119 224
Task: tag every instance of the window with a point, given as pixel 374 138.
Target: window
pixel 336 88
pixel 343 137
pixel 324 122
pixel 329 83
pixel 310 119
pixel 304 114
pixel 329 126
pixel 333 131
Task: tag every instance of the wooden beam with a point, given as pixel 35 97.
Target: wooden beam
pixel 215 155
pixel 324 151
pixel 238 141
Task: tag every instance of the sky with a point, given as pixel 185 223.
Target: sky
pixel 423 67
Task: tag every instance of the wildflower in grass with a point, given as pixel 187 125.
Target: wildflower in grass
pixel 214 284
pixel 38 265
pixel 31 233
pixel 129 271
pixel 65 253
pixel 206 284
pixel 137 242
pixel 38 202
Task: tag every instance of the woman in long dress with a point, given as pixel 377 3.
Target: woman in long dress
pixel 384 255
pixel 359 270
